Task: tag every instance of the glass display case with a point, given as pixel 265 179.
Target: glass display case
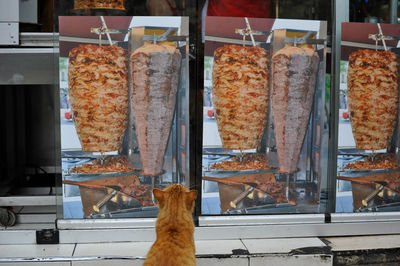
pixel 368 138
pixel 264 121
pixel 124 113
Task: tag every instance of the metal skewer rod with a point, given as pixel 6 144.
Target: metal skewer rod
pixel 240 156
pixel 102 159
pixel 248 189
pixel 105 27
pixel 373 156
pixel 287 186
pixel 249 29
pixel 109 195
pixel 365 201
pixel 381 33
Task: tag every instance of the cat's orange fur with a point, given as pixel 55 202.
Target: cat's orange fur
pixel 174 228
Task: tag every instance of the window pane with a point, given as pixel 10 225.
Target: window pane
pixel 368 129
pixel 264 121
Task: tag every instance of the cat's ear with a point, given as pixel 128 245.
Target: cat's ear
pixel 190 197
pixel 158 194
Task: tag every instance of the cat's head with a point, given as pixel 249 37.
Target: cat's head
pixel 175 193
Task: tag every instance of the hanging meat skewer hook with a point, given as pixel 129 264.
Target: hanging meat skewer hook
pixel 381 36
pixel 105 30
pixel 248 29
pixel 103 22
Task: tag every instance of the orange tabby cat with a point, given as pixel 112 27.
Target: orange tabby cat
pixel 174 228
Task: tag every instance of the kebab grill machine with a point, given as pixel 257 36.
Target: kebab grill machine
pixel 154 151
pixel 372 166
pixel 280 172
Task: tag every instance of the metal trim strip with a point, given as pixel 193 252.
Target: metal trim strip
pixel 260 219
pixel 237 221
pixel 365 217
pixel 105 223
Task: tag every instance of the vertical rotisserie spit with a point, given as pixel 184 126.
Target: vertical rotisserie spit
pixel 372 95
pixel 155 76
pixel 294 74
pixel 98 94
pixel 240 95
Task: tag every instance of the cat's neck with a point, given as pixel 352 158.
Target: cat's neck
pixel 175 225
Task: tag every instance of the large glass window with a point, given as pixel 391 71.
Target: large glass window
pixel 264 121
pixel 124 112
pixel 368 122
